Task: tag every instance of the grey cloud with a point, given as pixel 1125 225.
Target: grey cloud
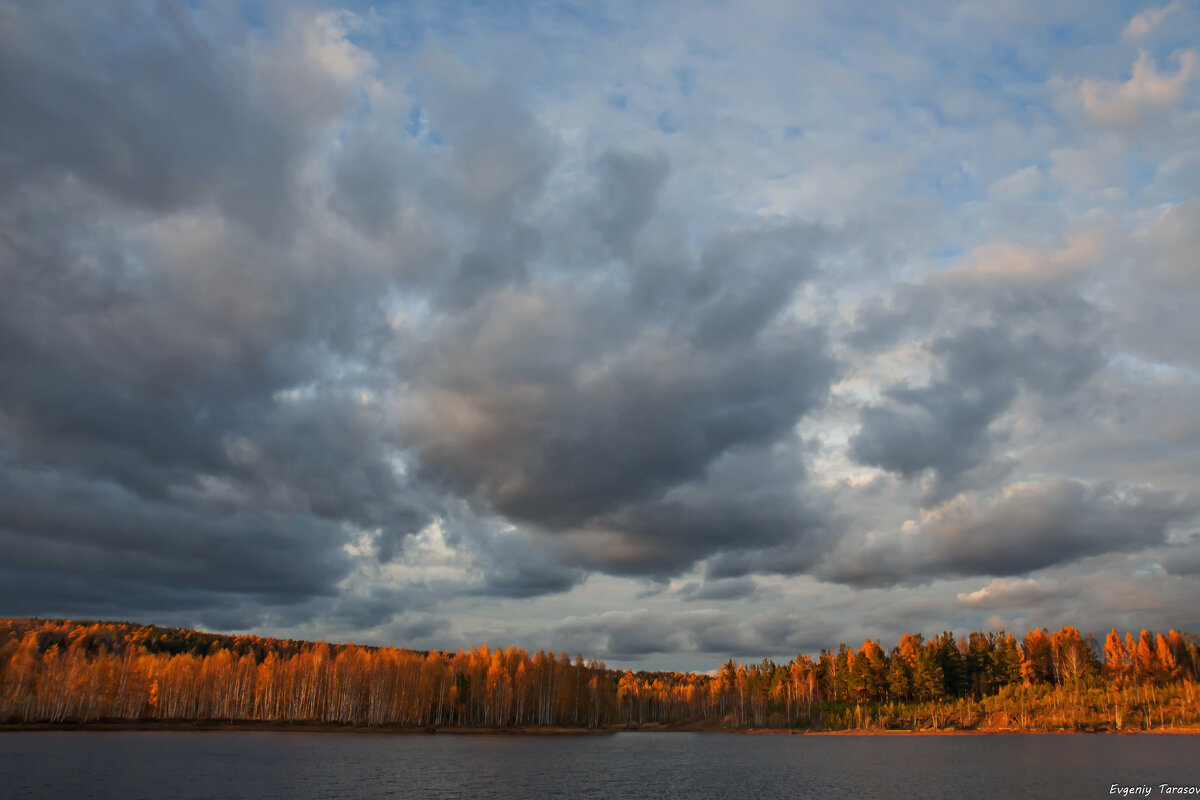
pixel 1104 595
pixel 499 260
pixel 743 279
pixel 519 565
pixel 620 634
pixel 125 118
pixel 530 580
pixel 1008 593
pixel 716 635
pixel 720 589
pixel 49 519
pixel 1024 528
pixel 378 607
pixel 367 178
pixel 231 363
pixel 1157 320
pixel 561 410
pixel 940 427
pixel 1171 246
pixel 946 426
pixel 257 330
pixel 1184 558
pixel 752 511
pixel 417 629
pixel 401 626
pixel 882 321
pixel 627 192
pixel 747 277
pixel 501 159
pixel 173 412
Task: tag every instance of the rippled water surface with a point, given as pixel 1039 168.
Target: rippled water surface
pixel 132 765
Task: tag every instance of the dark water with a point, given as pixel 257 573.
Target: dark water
pixel 627 765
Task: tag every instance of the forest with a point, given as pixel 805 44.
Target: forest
pixel 75 672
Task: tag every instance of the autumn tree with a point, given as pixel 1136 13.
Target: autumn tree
pixel 1037 660
pixel 1117 664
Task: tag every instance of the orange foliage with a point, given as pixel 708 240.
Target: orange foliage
pixel 55 671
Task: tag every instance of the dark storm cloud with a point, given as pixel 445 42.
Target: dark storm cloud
pixel 1024 528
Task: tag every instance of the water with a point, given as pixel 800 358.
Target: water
pixel 296 766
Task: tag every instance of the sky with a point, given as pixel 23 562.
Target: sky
pixel 658 332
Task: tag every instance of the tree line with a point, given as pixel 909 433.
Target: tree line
pixel 938 671
pixel 55 671
pixel 66 671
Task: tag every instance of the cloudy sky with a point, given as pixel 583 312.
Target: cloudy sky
pixel 663 332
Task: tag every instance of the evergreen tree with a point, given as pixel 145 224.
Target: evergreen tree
pixel 953 665
pixel 899 681
pixel 981 663
pixel 928 682
pixel 1008 661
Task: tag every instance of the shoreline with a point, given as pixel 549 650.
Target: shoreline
pixel 176 726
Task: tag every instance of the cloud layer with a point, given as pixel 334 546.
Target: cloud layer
pixel 413 324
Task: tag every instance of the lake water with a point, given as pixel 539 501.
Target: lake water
pixel 132 765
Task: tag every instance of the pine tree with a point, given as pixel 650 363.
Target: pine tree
pixel 928 680
pixel 899 680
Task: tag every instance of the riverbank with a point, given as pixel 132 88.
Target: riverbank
pixel 295 727
pixel 908 732
pixel 982 732
pixel 303 727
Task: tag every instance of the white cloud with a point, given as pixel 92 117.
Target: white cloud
pixel 1173 248
pixel 1147 93
pixel 1083 170
pixel 1021 183
pixel 1148 21
pixel 1014 263
pixel 1009 593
